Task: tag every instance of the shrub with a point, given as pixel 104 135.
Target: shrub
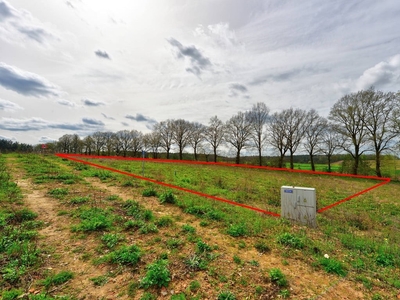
pixel 278 277
pixel 157 275
pixel 290 240
pixel 167 197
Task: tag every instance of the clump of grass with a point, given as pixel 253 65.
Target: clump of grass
pixel 99 280
pixel 58 193
pixel 262 247
pixel 57 279
pixel 112 197
pixel 237 230
pixel 126 255
pixel 157 275
pixel 174 243
pixel 167 197
pixel 333 266
pixel 189 229
pixel 110 240
pixel 149 192
pixel 226 295
pixel 79 200
pixel 290 240
pixel 196 262
pixel 94 219
pixel 278 277
pixel 164 221
pixel 194 286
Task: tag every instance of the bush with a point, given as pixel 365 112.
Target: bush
pixel 157 275
pixel 332 266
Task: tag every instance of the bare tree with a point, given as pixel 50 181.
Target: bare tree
pixel 64 143
pixel 330 141
pixel 277 135
pixel 99 141
pixel 165 130
pixel 294 130
pixel 238 131
pixel 152 142
pixel 315 126
pixel 196 136
pixel 124 141
pixel 378 108
pixel 137 141
pixel 258 117
pixel 214 134
pixel 76 143
pixel 347 116
pixel 181 130
pixel 88 145
pixel 109 142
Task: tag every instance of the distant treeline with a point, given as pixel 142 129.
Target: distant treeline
pixel 13 146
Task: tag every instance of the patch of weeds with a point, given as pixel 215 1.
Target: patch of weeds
pixel 128 183
pixel 167 197
pixel 94 219
pixel 133 224
pixel 365 281
pixel 254 263
pixel 24 215
pixel 242 245
pixel 149 192
pixel 110 240
pixel 62 213
pixel 148 228
pixel 284 293
pixel 333 266
pixel 376 296
pixel 148 296
pixel 132 289
pixel 226 295
pixel 259 290
pixel 194 286
pixel 174 243
pixel 11 295
pixel 189 229
pixel 58 193
pixel 237 260
pixel 290 240
pixel 180 296
pixel 237 230
pixel 278 277
pixel 79 200
pixel 112 197
pixel 157 275
pixel 57 279
pixel 164 221
pixel 99 280
pixel 202 247
pixel 384 259
pixel 262 247
pixel 126 255
pixel 196 262
pixel 204 223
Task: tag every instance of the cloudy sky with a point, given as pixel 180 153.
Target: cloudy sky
pixel 80 66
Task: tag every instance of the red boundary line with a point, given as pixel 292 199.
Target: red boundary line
pixel 72 157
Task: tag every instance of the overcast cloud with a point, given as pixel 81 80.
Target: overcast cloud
pixel 83 66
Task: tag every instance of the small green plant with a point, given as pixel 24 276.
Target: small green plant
pixel 79 200
pixel 11 295
pixel 384 259
pixel 196 262
pixel 148 228
pixel 194 286
pixel 148 296
pixel 262 247
pixel 237 230
pixel 202 247
pixel 180 296
pixel 157 275
pixel 174 243
pixel 237 260
pixel 189 229
pixel 254 263
pixel 164 221
pixel 57 279
pixel 284 293
pixel 58 192
pixel 99 280
pixel 110 240
pixel 167 197
pixel 242 245
pixel 226 295
pixel 149 192
pixel 290 240
pixel 126 255
pixel 94 219
pixel 333 266
pixel 278 277
pixel 112 198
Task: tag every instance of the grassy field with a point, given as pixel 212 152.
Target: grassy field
pixel 162 239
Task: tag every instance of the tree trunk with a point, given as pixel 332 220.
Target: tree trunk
pixel 329 163
pixel 378 164
pixel 312 162
pixel 291 160
pixel 259 157
pixel 238 157
pixel 215 154
pixel 195 154
pixel 180 153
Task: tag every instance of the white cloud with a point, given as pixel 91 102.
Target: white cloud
pixel 8 105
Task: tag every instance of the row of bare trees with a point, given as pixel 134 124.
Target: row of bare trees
pixel 366 121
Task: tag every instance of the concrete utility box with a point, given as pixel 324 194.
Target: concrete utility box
pixel 299 204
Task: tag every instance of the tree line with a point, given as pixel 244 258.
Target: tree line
pixel 367 121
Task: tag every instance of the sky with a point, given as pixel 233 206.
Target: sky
pixel 81 66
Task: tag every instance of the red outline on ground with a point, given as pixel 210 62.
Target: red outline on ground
pixel 73 157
